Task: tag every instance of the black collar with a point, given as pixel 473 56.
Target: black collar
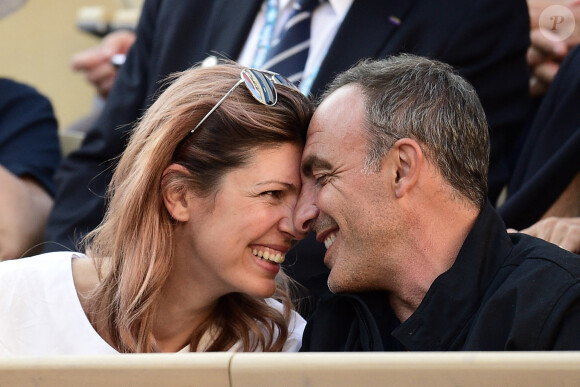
pixel 455 296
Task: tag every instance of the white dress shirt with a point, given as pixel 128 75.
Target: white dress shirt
pixel 326 20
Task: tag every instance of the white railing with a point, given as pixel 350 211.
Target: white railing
pixel 297 369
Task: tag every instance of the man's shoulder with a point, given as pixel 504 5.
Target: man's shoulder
pixel 537 256
pixel 537 274
pixel 533 293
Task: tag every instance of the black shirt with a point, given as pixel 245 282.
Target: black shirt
pixel 504 292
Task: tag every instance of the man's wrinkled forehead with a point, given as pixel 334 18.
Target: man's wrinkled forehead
pixel 335 120
pixel 318 148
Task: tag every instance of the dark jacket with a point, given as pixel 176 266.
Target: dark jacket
pixel 550 156
pixel 29 144
pixel 504 292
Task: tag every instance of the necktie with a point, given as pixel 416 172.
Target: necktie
pixel 287 55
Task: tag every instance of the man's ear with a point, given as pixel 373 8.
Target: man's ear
pixel 175 195
pixel 407 157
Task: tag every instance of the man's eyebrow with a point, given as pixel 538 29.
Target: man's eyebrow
pixel 311 162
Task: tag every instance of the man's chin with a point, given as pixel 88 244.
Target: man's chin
pixel 337 285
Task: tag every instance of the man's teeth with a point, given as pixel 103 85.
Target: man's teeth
pixel 330 240
pixel 273 257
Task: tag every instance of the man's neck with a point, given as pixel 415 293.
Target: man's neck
pixel 439 232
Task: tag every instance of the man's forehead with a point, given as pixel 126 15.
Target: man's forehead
pixel 338 117
pixel 319 142
pixel 318 148
pixel 335 128
pixel 342 100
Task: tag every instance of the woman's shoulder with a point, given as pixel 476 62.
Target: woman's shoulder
pixel 84 275
pixel 37 272
pixel 296 327
pixel 41 264
pixel 41 311
pixel 280 308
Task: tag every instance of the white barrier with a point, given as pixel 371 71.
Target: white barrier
pixel 298 369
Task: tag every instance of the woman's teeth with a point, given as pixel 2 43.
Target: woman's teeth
pixel 272 257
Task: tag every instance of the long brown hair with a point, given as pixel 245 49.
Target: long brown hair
pixel 134 246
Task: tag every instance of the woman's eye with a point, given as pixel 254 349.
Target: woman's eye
pixel 276 194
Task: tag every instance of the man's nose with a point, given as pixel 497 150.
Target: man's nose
pixel 306 210
pixel 286 225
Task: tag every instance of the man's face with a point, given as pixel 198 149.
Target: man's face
pixel 350 210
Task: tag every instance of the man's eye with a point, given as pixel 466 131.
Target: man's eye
pixel 321 179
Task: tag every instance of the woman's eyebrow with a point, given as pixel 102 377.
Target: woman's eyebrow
pixel 289 186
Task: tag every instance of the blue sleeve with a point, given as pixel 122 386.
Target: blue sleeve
pixel 84 174
pixel 29 144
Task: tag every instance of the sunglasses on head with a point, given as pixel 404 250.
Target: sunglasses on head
pixel 260 83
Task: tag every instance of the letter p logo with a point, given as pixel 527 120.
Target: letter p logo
pixel 557 22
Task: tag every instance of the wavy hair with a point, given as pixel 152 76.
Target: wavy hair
pixel 133 247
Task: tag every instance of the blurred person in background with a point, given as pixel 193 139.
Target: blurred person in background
pixel 547 50
pixel 29 156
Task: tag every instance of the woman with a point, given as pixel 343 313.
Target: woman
pixel 189 252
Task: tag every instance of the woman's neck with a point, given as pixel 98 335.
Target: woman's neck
pixel 177 320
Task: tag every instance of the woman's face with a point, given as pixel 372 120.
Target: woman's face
pixel 235 239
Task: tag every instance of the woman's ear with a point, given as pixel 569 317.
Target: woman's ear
pixel 408 160
pixel 175 195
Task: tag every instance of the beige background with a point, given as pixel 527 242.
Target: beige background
pixel 36 45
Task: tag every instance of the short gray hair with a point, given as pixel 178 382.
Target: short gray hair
pixel 407 96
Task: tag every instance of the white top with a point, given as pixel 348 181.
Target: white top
pixel 326 20
pixel 40 313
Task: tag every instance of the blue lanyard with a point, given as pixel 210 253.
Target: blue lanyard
pixel 306 83
pixel 266 34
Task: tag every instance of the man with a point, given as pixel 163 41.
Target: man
pixel 405 219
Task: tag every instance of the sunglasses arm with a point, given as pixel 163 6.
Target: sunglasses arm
pixel 216 106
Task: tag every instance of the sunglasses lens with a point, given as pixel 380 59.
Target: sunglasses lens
pixel 281 80
pixel 260 86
